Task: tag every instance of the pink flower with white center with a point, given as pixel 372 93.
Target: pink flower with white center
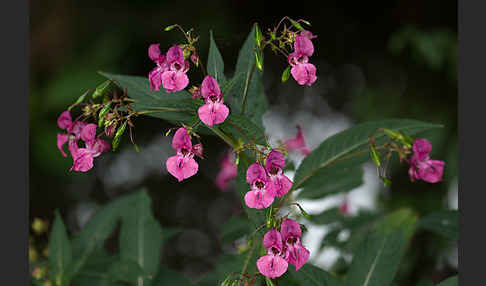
pixel 83 157
pixel 421 166
pixel 259 196
pixel 227 172
pixel 291 236
pixel 273 264
pixel 297 144
pixel 278 183
pixel 183 165
pixel 213 111
pixel 303 71
pixel 171 69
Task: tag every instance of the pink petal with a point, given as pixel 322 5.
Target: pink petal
pixel 174 81
pixel 422 148
pixel 64 120
pixel 210 87
pixel 198 150
pixel 62 138
pixel 77 127
pixel 228 171
pixel 175 58
pixel 297 143
pixel 272 266
pixel 88 133
pixel 258 199
pixel 181 140
pixel 73 148
pixel 274 159
pixel 308 34
pixel 304 73
pixel 272 239
pixel 279 185
pixel 213 113
pixel 83 161
pixel 98 146
pixel 290 228
pixel 298 255
pixel 154 52
pixel 431 171
pixel 303 46
pixel 255 172
pixel 181 167
pixel 155 78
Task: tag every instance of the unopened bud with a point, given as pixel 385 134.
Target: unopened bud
pixel 258 36
pixel 198 150
pixel 286 74
pixel 100 90
pixel 393 134
pixel 296 24
pixel 101 114
pixel 258 61
pixel 168 28
pixel 195 59
pixel 78 101
pixel 119 133
pixel 374 155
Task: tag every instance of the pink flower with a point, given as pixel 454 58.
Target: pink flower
pixel 227 172
pixel 259 196
pixel 74 129
pixel 273 264
pixel 94 147
pixel 421 166
pixel 344 207
pixel 303 71
pixel 298 143
pixel 183 165
pixel 291 235
pixel 213 111
pixel 278 183
pixel 170 71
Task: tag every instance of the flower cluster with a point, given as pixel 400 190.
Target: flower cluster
pixel 302 71
pixel 283 248
pixel 266 183
pixel 213 111
pixel 183 165
pixel 171 69
pixel 227 172
pixel 421 166
pixel 94 147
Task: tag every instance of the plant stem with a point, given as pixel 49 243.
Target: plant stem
pixel 247 85
pixel 247 260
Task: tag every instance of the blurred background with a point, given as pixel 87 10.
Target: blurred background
pixel 375 60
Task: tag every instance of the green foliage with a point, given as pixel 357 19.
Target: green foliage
pixel 347 150
pixel 312 275
pixel 215 67
pixel 60 251
pixel 236 227
pixel 445 223
pixel 452 281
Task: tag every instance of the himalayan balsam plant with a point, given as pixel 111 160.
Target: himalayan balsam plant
pixel 273 251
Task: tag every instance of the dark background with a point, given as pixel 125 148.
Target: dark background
pixel 374 59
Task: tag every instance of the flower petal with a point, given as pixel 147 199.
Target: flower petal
pixel 181 140
pixel 181 167
pixel 274 159
pixel 154 52
pixel 210 87
pixel 304 73
pixel 258 199
pixel 421 148
pixel 272 266
pixel 174 81
pixel 98 146
pixel 290 228
pixel 431 171
pixel 303 46
pixel 76 128
pixel 83 161
pixel 255 172
pixel 155 78
pixel 279 185
pixel 175 55
pixel 298 255
pixel 273 239
pixel 213 113
pixel 62 138
pixel 88 133
pixel 297 143
pixel 64 120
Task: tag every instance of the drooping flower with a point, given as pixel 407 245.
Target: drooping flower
pixel 421 166
pixel 227 172
pixel 94 147
pixel 291 235
pixel 279 184
pixel 303 71
pixel 214 111
pixel 73 129
pixel 170 71
pixel 259 196
pixel 183 165
pixel 297 144
pixel 273 264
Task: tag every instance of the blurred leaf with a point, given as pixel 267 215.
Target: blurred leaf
pixel 312 275
pixel 351 142
pixel 141 236
pixel 445 223
pixel 170 277
pixel 241 127
pixel 251 84
pixel 452 281
pixel 377 259
pixel 60 253
pixel 326 217
pixel 123 271
pixel 215 67
pixel 234 228
pixel 225 265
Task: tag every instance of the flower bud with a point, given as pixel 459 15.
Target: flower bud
pixel 119 133
pixel 100 90
pixel 258 61
pixel 286 74
pixel 296 24
pixel 195 59
pixel 101 114
pixel 374 155
pixel 79 100
pixel 198 150
pixel 258 36
pixel 168 28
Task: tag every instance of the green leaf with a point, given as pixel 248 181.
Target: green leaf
pixel 141 236
pixel 312 275
pixel 445 223
pixel 215 66
pixel 328 216
pixel 123 271
pixel 60 253
pixel 175 107
pixel 352 142
pixel 250 84
pixel 376 261
pixel 170 277
pixel 241 127
pixel 452 281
